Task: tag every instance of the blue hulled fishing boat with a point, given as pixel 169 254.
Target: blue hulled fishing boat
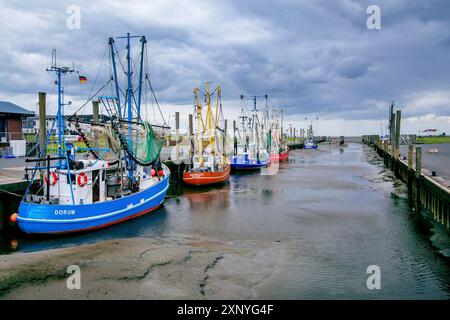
pixel 114 176
pixel 249 152
pixel 310 142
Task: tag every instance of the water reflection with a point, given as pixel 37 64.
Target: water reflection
pixel 203 199
pixel 331 210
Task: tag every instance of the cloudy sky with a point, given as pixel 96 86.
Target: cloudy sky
pixel 313 58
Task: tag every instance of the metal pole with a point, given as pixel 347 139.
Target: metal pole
pixel 42 124
pixel 234 138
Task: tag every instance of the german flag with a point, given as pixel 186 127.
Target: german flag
pixel 83 79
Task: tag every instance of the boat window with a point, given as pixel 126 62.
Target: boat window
pixel 72 177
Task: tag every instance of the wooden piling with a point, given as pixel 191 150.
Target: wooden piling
pixel 177 136
pixel 410 156
pixel 191 125
pixel 95 118
pixel 95 112
pixel 392 149
pixel 418 179
pixel 410 175
pixel 191 135
pixel 397 143
pixel 386 152
pixel 397 133
pixel 423 192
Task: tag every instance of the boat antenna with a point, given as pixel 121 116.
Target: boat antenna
pixel 60 71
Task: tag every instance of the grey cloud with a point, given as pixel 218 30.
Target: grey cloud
pixel 353 68
pixel 309 56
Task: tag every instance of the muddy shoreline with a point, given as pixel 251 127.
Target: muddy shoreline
pixel 142 268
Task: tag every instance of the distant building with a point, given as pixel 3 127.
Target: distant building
pixel 11 117
pixel 31 124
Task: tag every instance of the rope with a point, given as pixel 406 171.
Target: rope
pixel 75 113
pixel 11 193
pixel 147 77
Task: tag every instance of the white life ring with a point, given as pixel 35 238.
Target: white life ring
pixel 53 178
pixel 82 179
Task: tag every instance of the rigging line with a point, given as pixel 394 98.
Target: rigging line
pixel 145 86
pixel 156 100
pixel 98 71
pixel 147 76
pixel 89 100
pixel 153 109
pixel 120 61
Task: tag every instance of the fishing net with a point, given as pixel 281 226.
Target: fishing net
pixel 140 142
pixel 100 140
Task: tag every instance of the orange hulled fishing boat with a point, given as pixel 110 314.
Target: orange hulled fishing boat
pixel 209 163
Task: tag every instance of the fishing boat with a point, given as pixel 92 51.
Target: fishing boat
pixel 249 152
pixel 280 150
pixel 282 155
pixel 209 164
pixel 80 187
pixel 310 142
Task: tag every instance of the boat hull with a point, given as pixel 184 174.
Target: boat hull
pixel 206 178
pixel 280 157
pixel 310 147
pixel 46 219
pixel 242 165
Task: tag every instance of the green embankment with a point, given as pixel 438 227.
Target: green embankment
pixel 433 139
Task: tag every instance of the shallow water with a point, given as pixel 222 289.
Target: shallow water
pixel 336 210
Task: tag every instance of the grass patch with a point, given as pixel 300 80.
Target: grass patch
pixel 433 139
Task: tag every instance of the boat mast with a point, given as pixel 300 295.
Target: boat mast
pixel 281 127
pixel 216 121
pixel 198 108
pixel 254 122
pixel 129 104
pixel 209 117
pixel 129 97
pixel 143 42
pixel 62 154
pixel 244 127
pixel 116 80
pixel 267 126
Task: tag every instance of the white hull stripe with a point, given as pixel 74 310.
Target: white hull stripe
pixel 106 215
pixel 200 177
